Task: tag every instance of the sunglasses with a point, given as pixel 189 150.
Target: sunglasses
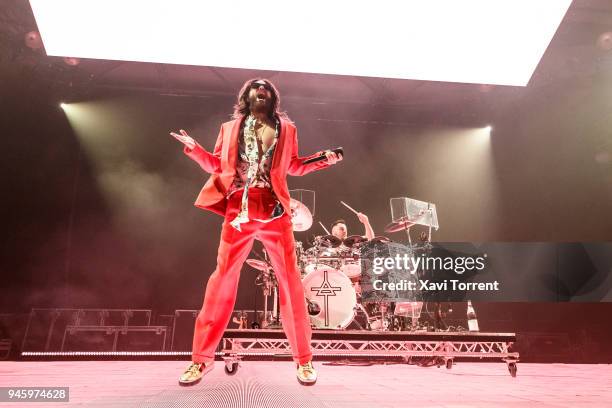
pixel 256 85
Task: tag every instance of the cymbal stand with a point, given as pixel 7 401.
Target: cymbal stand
pixel 275 321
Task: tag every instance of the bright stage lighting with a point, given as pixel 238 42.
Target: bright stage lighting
pixel 62 105
pixel 498 42
pixel 488 128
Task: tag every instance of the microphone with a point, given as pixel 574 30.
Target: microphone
pixel 337 150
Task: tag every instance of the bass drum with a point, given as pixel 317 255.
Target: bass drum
pixel 331 298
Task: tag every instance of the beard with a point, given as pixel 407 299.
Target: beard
pixel 260 106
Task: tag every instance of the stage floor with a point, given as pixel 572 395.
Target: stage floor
pixel 269 384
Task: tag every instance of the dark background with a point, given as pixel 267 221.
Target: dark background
pixel 97 201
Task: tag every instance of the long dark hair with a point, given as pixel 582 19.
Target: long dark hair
pixel 242 108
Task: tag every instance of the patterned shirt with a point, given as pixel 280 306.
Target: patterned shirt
pixel 253 170
pixel 262 178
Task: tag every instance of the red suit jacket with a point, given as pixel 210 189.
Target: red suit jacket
pixel 221 164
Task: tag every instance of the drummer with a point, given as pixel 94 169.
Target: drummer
pixel 339 229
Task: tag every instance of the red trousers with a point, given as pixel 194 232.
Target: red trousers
pixel 234 248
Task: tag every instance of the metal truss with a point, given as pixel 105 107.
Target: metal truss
pixel 234 348
pixel 382 348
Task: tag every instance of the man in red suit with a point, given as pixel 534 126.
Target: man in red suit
pixel 253 154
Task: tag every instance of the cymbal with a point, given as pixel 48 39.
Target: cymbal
pixel 328 241
pixel 354 240
pixel 258 264
pixel 301 217
pixel 401 225
pixel 380 238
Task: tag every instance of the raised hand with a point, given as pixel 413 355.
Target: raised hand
pixel 184 138
pixel 363 218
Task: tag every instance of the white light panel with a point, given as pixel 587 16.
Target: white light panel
pixel 474 41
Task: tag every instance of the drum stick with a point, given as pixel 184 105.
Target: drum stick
pixel 326 231
pixel 349 207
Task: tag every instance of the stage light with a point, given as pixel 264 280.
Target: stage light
pixel 488 128
pixel 63 105
pixel 485 88
pixel 604 41
pixel 33 41
pixel 71 61
pixel 495 42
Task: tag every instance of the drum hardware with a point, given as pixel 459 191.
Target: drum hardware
pixel 258 264
pixel 410 311
pixel 275 321
pixel 324 263
pixel 401 225
pixel 351 264
pixel 299 255
pixel 327 241
pixel 381 239
pixel 380 318
pixel 361 320
pixel 267 280
pixel 406 212
pixel 354 240
pixel 313 308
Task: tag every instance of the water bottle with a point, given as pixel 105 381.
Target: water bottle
pixel 471 318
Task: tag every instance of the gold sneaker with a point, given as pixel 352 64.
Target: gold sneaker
pixel 194 373
pixel 306 374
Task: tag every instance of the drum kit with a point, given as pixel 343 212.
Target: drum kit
pixel 331 275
